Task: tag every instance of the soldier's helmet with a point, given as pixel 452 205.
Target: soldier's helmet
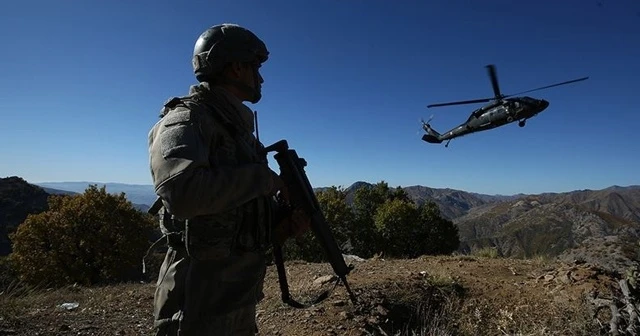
pixel 225 43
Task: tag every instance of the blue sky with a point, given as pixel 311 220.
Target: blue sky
pixel 82 83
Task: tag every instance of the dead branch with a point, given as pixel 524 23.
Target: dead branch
pixel 631 308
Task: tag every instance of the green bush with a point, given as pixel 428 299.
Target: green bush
pixel 397 224
pixel 487 252
pixel 90 238
pixel 339 218
pixel 379 219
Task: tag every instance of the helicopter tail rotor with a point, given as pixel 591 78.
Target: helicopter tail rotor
pixel 432 135
pixel 426 124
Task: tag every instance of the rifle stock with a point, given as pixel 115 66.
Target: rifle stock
pixel 301 195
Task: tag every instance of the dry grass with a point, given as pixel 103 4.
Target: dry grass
pixel 434 296
pixel 487 252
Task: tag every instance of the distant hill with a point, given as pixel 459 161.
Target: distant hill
pixel 141 207
pixel 18 198
pixel 139 194
pixel 52 191
pixel 622 202
pixel 597 225
pixel 453 203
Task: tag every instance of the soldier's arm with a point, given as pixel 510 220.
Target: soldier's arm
pixel 183 178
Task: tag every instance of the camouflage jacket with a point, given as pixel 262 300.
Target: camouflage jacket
pixel 211 174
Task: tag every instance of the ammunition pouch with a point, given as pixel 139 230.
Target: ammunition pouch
pixel 208 237
pixel 172 228
pixel 254 226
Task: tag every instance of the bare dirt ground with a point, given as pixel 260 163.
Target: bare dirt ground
pixel 456 295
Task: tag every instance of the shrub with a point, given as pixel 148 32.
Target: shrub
pixel 90 238
pixel 398 224
pixel 380 219
pixel 436 234
pixel 487 252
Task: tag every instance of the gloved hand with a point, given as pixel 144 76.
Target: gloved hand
pixel 292 226
pixel 277 184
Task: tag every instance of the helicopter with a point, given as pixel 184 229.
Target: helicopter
pixel 501 110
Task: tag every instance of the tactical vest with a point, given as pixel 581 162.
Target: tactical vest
pixel 246 228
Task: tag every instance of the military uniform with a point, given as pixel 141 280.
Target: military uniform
pixel 214 181
pixel 216 188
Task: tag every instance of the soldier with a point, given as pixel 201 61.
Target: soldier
pixel 217 193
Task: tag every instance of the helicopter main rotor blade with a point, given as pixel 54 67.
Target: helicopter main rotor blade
pixel 494 80
pixel 462 102
pixel 550 86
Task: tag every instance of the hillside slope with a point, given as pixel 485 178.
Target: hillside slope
pixel 429 296
pixel 453 203
pixel 621 202
pixel 557 225
pixel 140 194
pixel 596 225
pixel 18 198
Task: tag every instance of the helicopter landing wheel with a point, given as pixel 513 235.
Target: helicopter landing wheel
pixel 521 123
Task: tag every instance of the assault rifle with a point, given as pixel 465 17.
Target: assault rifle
pixel 301 195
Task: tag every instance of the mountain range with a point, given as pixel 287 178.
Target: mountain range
pixel 599 226
pixel 141 195
pixel 453 202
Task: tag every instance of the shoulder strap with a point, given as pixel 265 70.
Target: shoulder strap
pixel 193 104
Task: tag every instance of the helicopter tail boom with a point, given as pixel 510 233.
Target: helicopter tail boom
pixel 431 139
pixel 432 135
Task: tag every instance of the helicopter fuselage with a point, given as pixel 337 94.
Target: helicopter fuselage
pixel 490 116
pixel 500 110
